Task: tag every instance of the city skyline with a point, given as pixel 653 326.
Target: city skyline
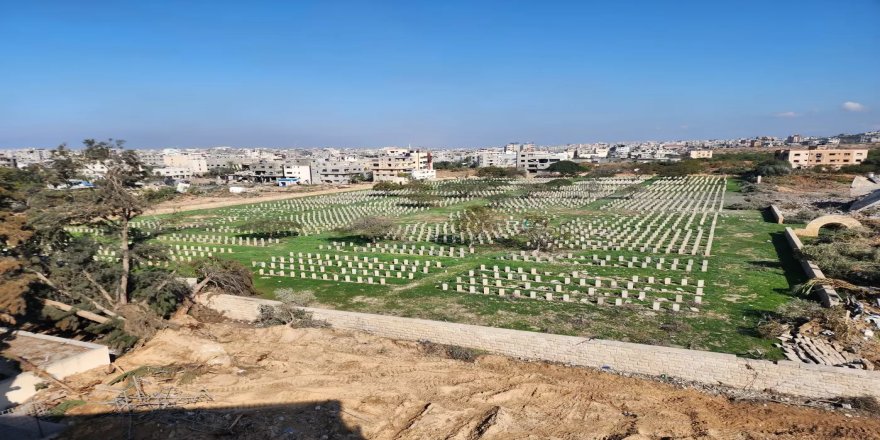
pixel 356 74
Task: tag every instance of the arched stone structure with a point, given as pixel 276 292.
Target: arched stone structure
pixel 812 228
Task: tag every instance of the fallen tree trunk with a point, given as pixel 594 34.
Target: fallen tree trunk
pixel 81 313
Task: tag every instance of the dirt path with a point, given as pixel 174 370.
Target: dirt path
pixel 331 384
pixel 193 204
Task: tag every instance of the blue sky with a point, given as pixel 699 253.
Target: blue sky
pixel 441 73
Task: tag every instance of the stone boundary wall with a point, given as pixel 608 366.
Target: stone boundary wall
pixel 787 377
pixel 16 390
pixel 777 214
pixel 827 295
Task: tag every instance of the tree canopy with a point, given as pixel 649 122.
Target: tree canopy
pixel 566 168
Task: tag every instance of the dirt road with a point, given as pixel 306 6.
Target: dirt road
pixel 330 384
pixel 196 203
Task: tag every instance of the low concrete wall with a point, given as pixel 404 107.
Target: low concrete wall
pixel 777 214
pixel 827 295
pixel 16 390
pixel 699 366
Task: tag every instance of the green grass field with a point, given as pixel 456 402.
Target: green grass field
pixel 751 273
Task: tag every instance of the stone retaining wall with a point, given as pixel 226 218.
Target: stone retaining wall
pixel 777 214
pixel 700 366
pixel 827 295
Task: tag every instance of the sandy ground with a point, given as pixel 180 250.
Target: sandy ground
pixel 324 383
pixel 196 203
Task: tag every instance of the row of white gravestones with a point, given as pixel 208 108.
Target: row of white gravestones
pixel 220 239
pixel 327 262
pixel 362 278
pixel 692 193
pixel 623 299
pixel 596 260
pixel 173 254
pixel 349 257
pixel 524 272
pixel 184 247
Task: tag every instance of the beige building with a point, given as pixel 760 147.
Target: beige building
pixel 400 164
pixel 700 154
pixel 822 156
pixel 196 164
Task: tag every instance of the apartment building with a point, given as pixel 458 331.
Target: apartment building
pixel 500 159
pixel 176 173
pixel 197 164
pixel 338 170
pixel 400 164
pixel 534 161
pixel 700 154
pixel 7 162
pixel 822 156
pixel 303 173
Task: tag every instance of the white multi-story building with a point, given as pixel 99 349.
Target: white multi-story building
pixel 535 161
pixel 30 156
pixel 592 152
pixel 301 172
pixel 500 159
pixel 400 164
pixel 700 154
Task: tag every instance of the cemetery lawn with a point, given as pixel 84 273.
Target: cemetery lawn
pixel 751 272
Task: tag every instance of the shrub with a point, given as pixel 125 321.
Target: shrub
pixel 287 314
pixel 302 298
pixel 773 168
pixel 803 216
pixel 450 351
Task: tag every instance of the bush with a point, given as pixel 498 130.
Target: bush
pixel 450 351
pixel 302 298
pixel 500 173
pixel 289 315
pixel 803 216
pixel 798 311
pixel 773 168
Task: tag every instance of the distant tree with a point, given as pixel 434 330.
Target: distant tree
pixel 112 205
pixel 535 234
pixel 266 227
pixel 566 168
pixel 680 168
pixel 500 173
pixel 370 228
pixel 773 168
pixel 556 183
pixel 478 219
pixel 387 187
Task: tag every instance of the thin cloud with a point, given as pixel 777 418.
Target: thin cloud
pixel 787 115
pixel 852 106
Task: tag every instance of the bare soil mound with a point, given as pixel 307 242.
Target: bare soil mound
pixel 324 383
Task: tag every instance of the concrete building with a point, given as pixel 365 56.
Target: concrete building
pixel 500 159
pixel 176 173
pixel 534 161
pixel 30 156
pixel 400 164
pixel 197 164
pixel 822 156
pixel 7 162
pixel 303 173
pixel 338 170
pixel 700 154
